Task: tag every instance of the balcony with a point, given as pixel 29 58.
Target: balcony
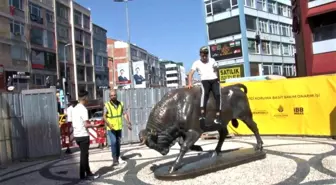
pixel 16 12
pixel 17 37
pixel 35 18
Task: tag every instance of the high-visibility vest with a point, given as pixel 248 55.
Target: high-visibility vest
pixel 114 116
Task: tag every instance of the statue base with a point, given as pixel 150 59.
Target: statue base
pixel 203 164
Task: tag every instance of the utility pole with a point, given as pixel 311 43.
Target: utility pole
pixel 65 77
pixel 128 41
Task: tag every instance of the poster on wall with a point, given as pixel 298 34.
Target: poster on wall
pixel 139 74
pixel 226 50
pixel 37 59
pixel 123 77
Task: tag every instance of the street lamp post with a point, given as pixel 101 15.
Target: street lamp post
pixel 65 77
pixel 128 40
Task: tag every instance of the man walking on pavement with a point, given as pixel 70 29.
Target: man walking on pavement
pixel 113 112
pixel 80 123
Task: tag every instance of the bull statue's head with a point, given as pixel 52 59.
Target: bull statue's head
pixel 159 141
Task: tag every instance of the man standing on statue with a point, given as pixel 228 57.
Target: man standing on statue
pixel 113 112
pixel 207 69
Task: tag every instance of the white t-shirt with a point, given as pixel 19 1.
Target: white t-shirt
pixel 205 70
pixel 69 113
pixel 79 116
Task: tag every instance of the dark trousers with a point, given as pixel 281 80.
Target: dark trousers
pixel 84 144
pixel 115 136
pixel 207 86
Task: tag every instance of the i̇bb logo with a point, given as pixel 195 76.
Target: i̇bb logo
pixel 298 110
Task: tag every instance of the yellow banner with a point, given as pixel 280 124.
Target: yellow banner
pixel 230 72
pixel 300 106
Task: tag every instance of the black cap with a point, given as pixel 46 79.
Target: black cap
pixel 83 93
pixel 204 49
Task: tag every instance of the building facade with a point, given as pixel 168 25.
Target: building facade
pixel 119 65
pixel 315 29
pixel 100 60
pixel 251 37
pixel 27 37
pixel 175 75
pixel 74 36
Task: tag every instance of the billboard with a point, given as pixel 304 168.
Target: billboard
pixel 226 50
pixel 230 72
pixel 123 77
pixel 37 59
pixel 139 74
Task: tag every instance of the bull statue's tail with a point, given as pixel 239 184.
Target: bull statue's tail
pixel 241 86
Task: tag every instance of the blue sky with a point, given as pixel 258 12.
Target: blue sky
pixel 169 29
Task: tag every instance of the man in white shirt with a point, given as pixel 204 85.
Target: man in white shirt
pixel 80 123
pixel 206 68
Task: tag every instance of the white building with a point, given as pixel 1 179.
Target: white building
pixel 175 74
pixel 232 28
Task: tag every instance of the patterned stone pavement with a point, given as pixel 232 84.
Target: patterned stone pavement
pixel 289 161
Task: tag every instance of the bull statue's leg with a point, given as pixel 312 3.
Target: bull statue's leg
pixel 191 136
pixel 252 125
pixel 196 148
pixel 223 132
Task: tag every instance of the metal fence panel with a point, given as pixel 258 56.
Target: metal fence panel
pixel 139 103
pixel 41 122
pixel 11 144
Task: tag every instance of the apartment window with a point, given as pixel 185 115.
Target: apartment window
pixel 251 22
pixel 62 11
pixel 285 49
pixel 323 27
pixel 220 6
pixel 267 69
pixel 18 4
pixel 261 5
pixel 276 48
pixel 289 70
pixel 78 18
pixel 271 7
pixel 134 52
pixel 18 52
pixel 79 36
pixel 80 73
pixel 98 60
pixel 81 87
pixel 88 57
pixel 234 3
pixel 143 55
pixel 79 55
pixel 263 26
pixel 86 22
pixel 249 3
pixel 35 10
pixel 266 47
pixel 89 74
pixel 273 28
pixel 277 69
pixel 50 16
pixel 36 36
pixel 50 61
pixel 252 47
pixel 51 39
pixel 91 91
pixel 105 62
pixel 285 30
pixel 87 39
pixel 17 28
pixel 283 10
pixel 63 32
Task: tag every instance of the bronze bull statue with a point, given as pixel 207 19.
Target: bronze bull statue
pixel 176 118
